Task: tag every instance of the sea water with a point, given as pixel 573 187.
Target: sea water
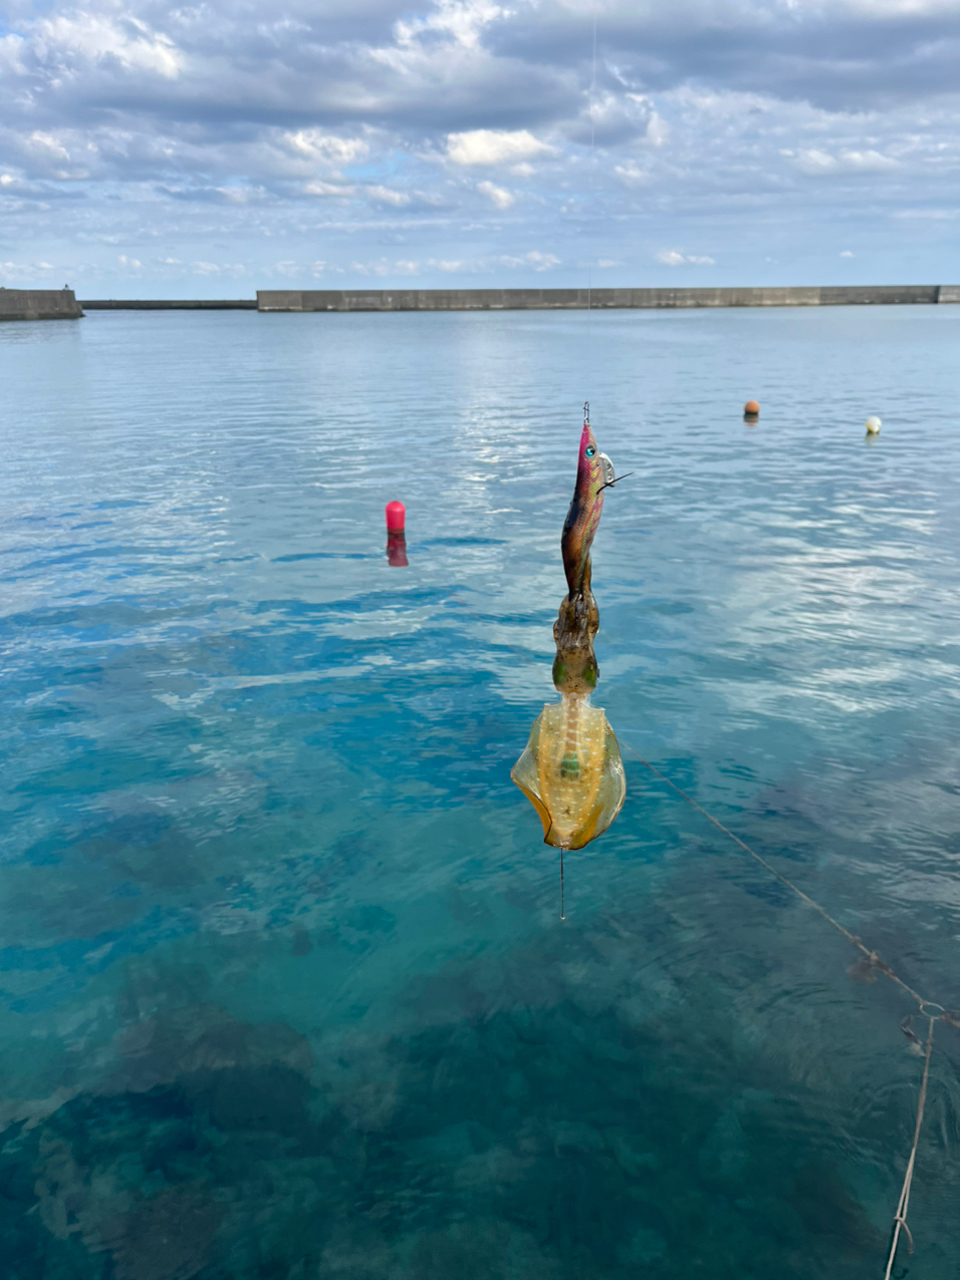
pixel 285 990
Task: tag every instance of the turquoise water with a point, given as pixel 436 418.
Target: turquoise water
pixel 285 990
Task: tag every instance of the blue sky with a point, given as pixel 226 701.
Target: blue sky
pixel 211 149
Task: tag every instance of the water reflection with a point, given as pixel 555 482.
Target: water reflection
pixel 397 550
pixel 284 991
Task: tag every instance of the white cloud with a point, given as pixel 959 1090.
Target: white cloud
pixel 535 259
pixel 48 145
pixel 462 20
pixel 234 269
pixel 542 261
pixel 494 146
pixel 129 42
pixel 674 258
pixel 326 148
pixel 387 195
pixel 195 126
pixel 328 189
pixel 814 161
pixel 632 175
pixel 500 196
pixel 241 195
pixel 657 131
pixel 383 267
pixel 845 253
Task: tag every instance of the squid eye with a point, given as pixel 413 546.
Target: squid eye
pixel 591 450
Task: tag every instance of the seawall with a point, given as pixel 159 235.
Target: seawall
pixel 576 299
pixel 39 304
pixel 61 304
pixel 171 304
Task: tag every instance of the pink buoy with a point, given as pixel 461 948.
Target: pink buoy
pixel 396 517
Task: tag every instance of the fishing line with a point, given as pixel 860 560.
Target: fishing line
pixel 593 150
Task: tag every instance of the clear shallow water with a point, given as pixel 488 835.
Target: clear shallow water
pixel 285 994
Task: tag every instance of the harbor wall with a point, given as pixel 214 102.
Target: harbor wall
pixel 169 304
pixel 61 304
pixel 574 299
pixel 39 304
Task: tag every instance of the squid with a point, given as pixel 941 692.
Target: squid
pixel 571 770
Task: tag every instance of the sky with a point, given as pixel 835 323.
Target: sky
pixel 223 146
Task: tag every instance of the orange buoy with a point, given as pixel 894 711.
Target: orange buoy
pixel 751 409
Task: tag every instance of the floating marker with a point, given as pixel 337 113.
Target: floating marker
pixel 873 426
pixel 751 409
pixel 396 539
pixel 396 517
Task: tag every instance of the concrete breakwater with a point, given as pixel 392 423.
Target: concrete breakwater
pixel 169 304
pixel 61 304
pixel 580 299
pixel 39 304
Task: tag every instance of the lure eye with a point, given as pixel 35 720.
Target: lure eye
pixel 591 450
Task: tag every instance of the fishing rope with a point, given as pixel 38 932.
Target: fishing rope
pixel 872 957
pixel 927 1008
pixel 900 1218
pixel 924 1006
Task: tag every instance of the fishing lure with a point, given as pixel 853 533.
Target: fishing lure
pixel 571 770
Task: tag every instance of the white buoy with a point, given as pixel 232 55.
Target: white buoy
pixel 873 426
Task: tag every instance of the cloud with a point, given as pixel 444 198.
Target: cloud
pixel 934 215
pixel 387 195
pixel 313 134
pixel 674 258
pixel 815 161
pixel 502 198
pixel 657 130
pixel 538 261
pixel 494 146
pixel 835 54
pixel 234 269
pixel 845 253
pixel 326 148
pixel 632 174
pixel 337 190
pixel 124 44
